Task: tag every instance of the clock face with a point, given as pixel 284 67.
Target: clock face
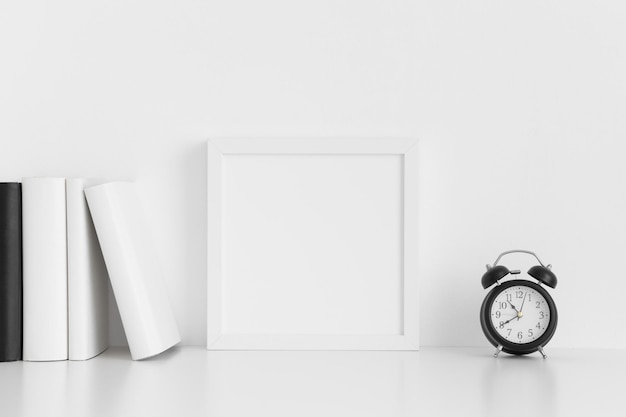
pixel 520 314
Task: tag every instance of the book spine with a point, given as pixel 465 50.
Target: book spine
pixel 45 269
pixel 87 279
pixel 10 272
pixel 132 263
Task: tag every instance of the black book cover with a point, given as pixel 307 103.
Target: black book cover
pixel 10 272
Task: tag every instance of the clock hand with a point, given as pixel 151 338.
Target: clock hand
pixel 519 312
pixel 509 320
pixel 522 307
pixel 516 310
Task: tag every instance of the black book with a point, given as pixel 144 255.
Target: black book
pixel 10 272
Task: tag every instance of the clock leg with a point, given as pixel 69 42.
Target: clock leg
pixel 497 352
pixel 540 349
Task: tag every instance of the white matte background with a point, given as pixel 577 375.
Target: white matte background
pixel 319 236
pixel 520 108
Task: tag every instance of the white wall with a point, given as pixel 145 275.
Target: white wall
pixel 520 108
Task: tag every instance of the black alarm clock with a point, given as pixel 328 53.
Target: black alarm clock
pixel 518 316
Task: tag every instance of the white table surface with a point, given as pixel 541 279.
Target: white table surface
pixel 191 381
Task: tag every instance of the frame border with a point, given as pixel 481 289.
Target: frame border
pixel 216 149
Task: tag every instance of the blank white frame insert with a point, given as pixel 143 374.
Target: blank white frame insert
pixel 312 244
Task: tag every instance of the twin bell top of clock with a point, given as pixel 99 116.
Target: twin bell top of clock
pixel 540 272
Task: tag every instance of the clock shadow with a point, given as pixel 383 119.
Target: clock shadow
pixel 518 385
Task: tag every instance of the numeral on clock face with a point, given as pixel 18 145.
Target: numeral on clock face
pixel 520 314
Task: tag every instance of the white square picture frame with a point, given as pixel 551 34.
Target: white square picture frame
pixel 312 244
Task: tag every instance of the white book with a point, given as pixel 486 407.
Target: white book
pixel 133 267
pixel 88 315
pixel 44 269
